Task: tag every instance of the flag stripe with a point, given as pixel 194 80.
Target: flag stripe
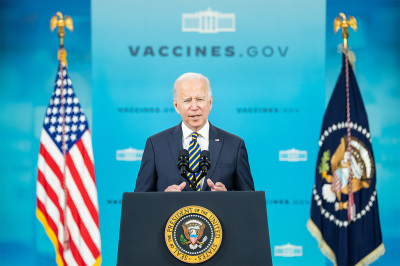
pixel 82 190
pixel 74 257
pixel 51 163
pixel 49 225
pixel 87 181
pixel 52 149
pixel 50 193
pixel 52 217
pixel 51 212
pixel 70 253
pixel 82 250
pixel 80 204
pixel 87 142
pixel 83 230
pixel 86 158
pixel 51 180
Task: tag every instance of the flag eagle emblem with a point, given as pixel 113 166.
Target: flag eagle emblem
pixel 337 182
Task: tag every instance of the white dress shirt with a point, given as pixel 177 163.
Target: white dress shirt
pixel 202 139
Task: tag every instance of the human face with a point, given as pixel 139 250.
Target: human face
pixel 193 103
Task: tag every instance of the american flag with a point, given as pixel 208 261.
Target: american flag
pixel 66 190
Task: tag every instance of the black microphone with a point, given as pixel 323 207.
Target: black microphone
pixel 183 165
pixel 204 161
pixel 183 161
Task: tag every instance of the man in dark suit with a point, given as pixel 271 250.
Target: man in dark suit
pixel 230 168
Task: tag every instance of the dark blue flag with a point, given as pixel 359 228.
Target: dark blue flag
pixel 344 209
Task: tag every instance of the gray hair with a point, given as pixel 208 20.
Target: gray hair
pixel 191 76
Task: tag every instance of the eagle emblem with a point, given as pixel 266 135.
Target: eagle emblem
pixel 193 231
pixel 193 234
pixel 362 168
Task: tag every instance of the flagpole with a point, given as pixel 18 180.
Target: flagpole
pixel 59 21
pixel 345 24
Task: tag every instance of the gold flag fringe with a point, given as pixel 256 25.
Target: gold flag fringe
pixel 323 246
pixel 327 251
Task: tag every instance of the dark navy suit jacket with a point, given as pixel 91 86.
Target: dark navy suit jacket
pixel 228 159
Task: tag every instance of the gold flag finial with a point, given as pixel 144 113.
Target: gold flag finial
pixel 59 21
pixel 344 24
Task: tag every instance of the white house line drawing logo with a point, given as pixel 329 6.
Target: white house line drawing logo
pixel 292 155
pixel 288 250
pixel 129 154
pixel 208 21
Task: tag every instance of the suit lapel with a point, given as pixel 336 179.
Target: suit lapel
pixel 175 145
pixel 214 147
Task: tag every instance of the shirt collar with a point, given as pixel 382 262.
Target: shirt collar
pixel 203 132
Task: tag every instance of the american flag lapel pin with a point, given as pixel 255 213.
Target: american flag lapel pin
pixel 216 139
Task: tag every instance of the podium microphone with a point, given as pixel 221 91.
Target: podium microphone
pixel 183 162
pixel 204 161
pixel 204 166
pixel 183 165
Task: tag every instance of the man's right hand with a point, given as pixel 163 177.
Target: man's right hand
pixel 176 187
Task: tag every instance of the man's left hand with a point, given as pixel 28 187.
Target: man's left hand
pixel 217 186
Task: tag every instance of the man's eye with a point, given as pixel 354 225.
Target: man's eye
pixel 186 101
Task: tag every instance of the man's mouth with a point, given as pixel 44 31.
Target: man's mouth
pixel 195 116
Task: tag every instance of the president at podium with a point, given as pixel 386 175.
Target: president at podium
pixel 228 165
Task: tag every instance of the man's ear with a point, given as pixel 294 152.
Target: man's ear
pixel 175 105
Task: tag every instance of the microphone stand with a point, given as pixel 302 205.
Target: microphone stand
pixel 198 180
pixel 184 175
pixel 193 185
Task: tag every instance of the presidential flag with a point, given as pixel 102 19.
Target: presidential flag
pixel 66 190
pixel 344 210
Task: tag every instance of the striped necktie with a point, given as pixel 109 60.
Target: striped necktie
pixel 194 157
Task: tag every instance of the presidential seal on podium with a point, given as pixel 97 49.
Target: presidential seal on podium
pixel 193 234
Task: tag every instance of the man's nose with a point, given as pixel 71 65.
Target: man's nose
pixel 194 105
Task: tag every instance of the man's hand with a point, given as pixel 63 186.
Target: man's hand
pixel 176 187
pixel 217 186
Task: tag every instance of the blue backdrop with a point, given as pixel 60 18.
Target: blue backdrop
pixel 272 66
pixel 267 82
